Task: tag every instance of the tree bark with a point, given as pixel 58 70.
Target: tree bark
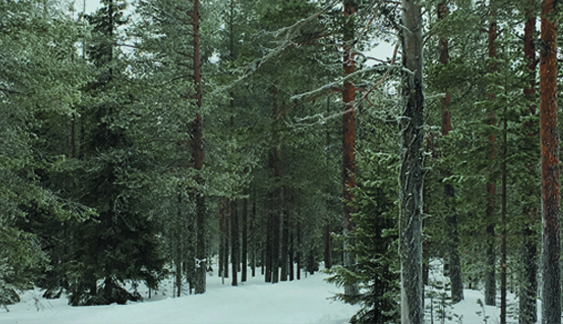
pixel 528 289
pixel 197 154
pixel 490 276
pixel 449 191
pixel 349 137
pixel 298 234
pixel 221 240
pixel 284 263
pixel 244 234
pixel 253 236
pixel 411 176
pixel 234 242
pixel 551 199
pixel 291 254
pixel 226 237
pixel 503 221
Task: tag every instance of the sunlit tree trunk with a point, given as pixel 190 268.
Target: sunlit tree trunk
pixel 551 199
pixel 411 176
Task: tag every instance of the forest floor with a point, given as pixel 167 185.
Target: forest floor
pixel 299 301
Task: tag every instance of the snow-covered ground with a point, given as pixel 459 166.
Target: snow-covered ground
pixel 300 301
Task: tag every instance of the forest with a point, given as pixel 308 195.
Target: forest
pixel 155 140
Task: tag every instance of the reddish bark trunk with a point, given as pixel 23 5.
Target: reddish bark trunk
pixel 348 122
pixel 551 200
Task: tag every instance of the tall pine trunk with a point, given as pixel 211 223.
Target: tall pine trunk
pixel 551 199
pixel 490 276
pixel 273 251
pixel 234 242
pixel 221 241
pixel 528 289
pixel 298 256
pixel 348 136
pixel 226 236
pixel 253 236
pixel 197 154
pixel 244 235
pixel 411 176
pixel 449 192
pixel 284 262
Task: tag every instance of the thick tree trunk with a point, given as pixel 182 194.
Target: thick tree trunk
pixel 348 137
pixel 411 176
pixel 490 277
pixel 528 289
pixel 449 191
pixel 551 199
pixel 234 242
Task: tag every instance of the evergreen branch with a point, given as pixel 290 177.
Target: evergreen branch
pixel 286 110
pixel 10 91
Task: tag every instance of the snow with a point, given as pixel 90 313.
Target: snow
pixel 253 302
pixel 305 301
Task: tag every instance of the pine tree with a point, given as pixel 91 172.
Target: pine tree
pixel 410 228
pixel 551 275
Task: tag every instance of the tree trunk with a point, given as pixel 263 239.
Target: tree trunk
pixel 253 236
pixel 551 199
pixel 327 249
pixel 349 136
pixel 291 254
pixel 503 218
pixel 226 237
pixel 298 250
pixel 234 242
pixel 411 176
pixel 197 154
pixel 284 263
pixel 244 256
pixel 275 200
pixel 327 254
pixel 528 289
pixel 221 240
pixel 449 191
pixel 490 277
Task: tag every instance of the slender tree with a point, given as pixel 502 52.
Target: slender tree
pixel 490 278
